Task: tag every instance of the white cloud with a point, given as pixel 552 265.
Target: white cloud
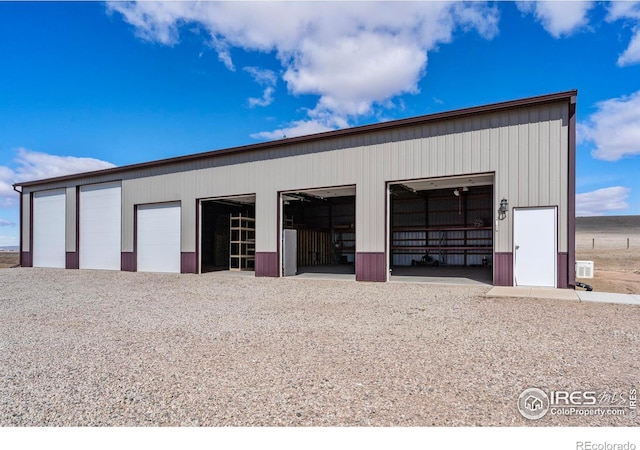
pixel 8 197
pixel 355 56
pixel 614 128
pixel 559 18
pixel 266 78
pixel 266 100
pixel 352 72
pixel 298 128
pixel 629 11
pixel 7 223
pixel 36 165
pixel 224 55
pixel 161 26
pixel 8 241
pixel 31 165
pixel 597 203
pixel 632 54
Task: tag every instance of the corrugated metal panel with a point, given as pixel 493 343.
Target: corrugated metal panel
pixel 562 187
pixel 129 261
pixel 188 262
pixel 371 267
pixel 26 222
pixel 563 276
pixel 544 158
pixel 503 269
pixel 72 260
pixel 70 243
pixel 532 157
pixel 267 264
pixel 517 145
pixel 523 157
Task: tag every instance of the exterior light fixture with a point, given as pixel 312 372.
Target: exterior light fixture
pixel 456 192
pixel 504 207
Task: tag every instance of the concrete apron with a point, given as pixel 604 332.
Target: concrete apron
pixel 563 294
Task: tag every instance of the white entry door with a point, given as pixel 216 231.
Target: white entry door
pixel 159 238
pixel 535 247
pixel 49 220
pixel 100 206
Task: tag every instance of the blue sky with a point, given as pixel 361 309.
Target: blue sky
pixel 88 85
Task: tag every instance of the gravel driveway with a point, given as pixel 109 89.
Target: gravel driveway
pixel 115 348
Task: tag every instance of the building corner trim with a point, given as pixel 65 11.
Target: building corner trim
pixel 571 201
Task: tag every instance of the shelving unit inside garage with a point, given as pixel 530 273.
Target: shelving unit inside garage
pixel 242 242
pixel 438 228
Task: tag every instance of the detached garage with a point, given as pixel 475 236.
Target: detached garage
pixel 457 193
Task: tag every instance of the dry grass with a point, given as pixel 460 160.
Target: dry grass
pixel 615 270
pixel 603 240
pixel 9 259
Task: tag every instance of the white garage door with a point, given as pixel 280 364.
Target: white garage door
pixel 49 229
pixel 100 218
pixel 534 242
pixel 159 238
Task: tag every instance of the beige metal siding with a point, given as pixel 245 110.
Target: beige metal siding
pixel 26 218
pixel 526 148
pixel 71 220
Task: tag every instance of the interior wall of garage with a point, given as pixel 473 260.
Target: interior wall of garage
pixel 527 148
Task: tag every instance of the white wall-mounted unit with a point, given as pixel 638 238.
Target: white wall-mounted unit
pixel 159 237
pixel 584 269
pixel 49 220
pixel 100 226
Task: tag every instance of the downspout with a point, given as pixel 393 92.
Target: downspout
pixel 20 223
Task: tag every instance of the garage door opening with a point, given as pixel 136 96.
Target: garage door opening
pixel 441 230
pixel 318 231
pixel 227 234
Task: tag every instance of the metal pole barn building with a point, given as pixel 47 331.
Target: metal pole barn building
pixel 486 192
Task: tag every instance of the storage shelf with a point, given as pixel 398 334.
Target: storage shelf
pixel 443 248
pixel 453 228
pixel 242 242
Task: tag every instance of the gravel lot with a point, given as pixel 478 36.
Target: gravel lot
pixel 115 348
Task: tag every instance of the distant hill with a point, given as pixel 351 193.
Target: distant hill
pixel 608 224
pixel 10 248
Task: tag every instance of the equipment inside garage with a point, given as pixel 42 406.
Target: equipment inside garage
pixel 442 228
pixel 323 221
pixel 228 234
